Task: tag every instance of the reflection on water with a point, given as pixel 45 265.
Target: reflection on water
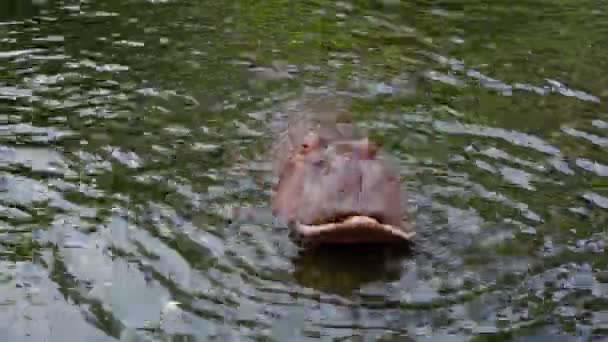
pixel 129 128
pixel 344 270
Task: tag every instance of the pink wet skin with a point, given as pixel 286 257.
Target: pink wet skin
pixel 327 177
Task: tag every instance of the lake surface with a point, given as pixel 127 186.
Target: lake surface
pixel 128 128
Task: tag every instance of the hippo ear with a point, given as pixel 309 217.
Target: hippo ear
pixel 366 149
pixel 298 130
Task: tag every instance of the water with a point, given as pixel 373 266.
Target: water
pixel 129 128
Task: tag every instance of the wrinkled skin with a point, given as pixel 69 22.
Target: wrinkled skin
pixel 334 186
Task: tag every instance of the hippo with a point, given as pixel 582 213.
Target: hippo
pixel 333 184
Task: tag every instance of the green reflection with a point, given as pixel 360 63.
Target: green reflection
pixel 23 9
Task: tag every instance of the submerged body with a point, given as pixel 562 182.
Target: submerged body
pixel 332 185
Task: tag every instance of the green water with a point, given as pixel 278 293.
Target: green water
pixel 129 128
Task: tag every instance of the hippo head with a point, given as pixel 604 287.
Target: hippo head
pixel 336 188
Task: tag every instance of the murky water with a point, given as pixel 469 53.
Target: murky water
pixel 129 128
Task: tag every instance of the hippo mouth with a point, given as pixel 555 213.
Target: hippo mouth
pixel 337 195
pixel 352 229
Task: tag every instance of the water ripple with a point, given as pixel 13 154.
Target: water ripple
pixel 18 53
pixel 552 86
pixel 513 137
pixel 592 166
pixel 595 139
pixel 597 199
